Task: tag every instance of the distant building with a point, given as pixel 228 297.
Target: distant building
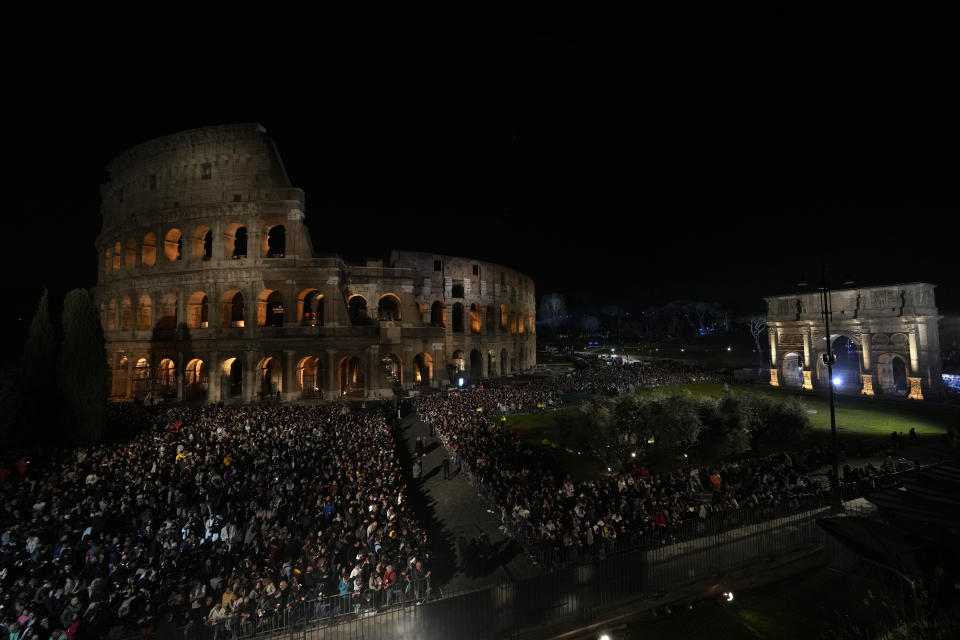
pixel 886 340
pixel 209 289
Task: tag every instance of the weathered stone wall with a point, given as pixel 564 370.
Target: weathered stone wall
pixel 172 272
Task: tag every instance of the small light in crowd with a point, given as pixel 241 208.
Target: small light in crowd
pixel 633 454
pixel 728 596
pixel 837 381
pixel 650 440
pixel 604 637
pixel 729 349
pixel 682 350
pixel 684 455
pixel 460 382
pixel 608 468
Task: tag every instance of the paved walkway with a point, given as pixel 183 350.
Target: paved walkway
pixel 456 515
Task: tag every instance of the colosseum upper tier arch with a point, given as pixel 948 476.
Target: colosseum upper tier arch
pixel 210 290
pixel 885 339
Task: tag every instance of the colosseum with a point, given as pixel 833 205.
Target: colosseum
pixel 209 289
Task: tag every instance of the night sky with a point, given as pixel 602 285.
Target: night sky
pixel 608 168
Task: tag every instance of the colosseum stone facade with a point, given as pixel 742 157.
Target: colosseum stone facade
pixel 209 289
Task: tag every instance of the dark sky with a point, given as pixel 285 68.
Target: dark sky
pixel 607 167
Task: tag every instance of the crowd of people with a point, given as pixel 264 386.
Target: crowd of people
pixel 223 520
pixel 556 516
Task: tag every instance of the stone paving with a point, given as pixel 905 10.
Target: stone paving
pixel 455 514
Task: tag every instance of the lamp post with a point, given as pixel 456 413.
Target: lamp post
pixel 826 310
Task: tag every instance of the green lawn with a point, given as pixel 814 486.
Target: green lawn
pixel 800 607
pixel 858 418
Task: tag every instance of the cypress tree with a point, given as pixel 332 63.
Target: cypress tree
pixel 39 396
pixel 83 369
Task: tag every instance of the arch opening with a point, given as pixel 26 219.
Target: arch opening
pixel 196 380
pixel 475 324
pixel 270 378
pixel 311 308
pixel 388 308
pixel 166 379
pixel 491 319
pixel 357 306
pixel 276 241
pixel 392 369
pixel 232 309
pixel 846 369
pixel 148 250
pixel 476 365
pixel 198 311
pixel 173 245
pixel 458 317
pixel 892 374
pixel 144 313
pixel 351 376
pixel 270 309
pixel 423 369
pixel 308 377
pixel 232 372
pixel 792 371
pixel 438 314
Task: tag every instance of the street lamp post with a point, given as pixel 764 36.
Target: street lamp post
pixel 826 310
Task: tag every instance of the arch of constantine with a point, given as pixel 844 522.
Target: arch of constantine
pixel 209 289
pixel 886 340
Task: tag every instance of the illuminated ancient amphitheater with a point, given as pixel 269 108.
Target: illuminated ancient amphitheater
pixel 209 289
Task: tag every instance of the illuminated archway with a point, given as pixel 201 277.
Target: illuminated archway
pixel 119 377
pixel 232 309
pixel 144 313
pixel 491 318
pixel 351 374
pixel 310 303
pixel 892 374
pixel 275 242
pixel 142 382
pixel 126 314
pixel 198 312
pixel 148 250
pixel 792 371
pixel 270 308
pixel 232 372
pixel 235 240
pixel 309 377
pixel 173 245
pixel 117 250
pixel 166 379
pixel 475 315
pixel 504 316
pixel 203 243
pixel 392 369
pixel 270 377
pixel 423 369
pixel 130 253
pixel 111 319
pixel 196 380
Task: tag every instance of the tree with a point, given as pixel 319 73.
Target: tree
pixel 785 419
pixel 38 395
pixel 83 369
pixel 724 432
pixel 757 325
pixel 552 311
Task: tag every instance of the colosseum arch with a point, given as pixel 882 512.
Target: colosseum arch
pixel 235 240
pixel 119 376
pixel 275 241
pixel 202 248
pixel 504 362
pixel 167 317
pixel 388 307
pixel 232 309
pixel 392 369
pixel 196 380
pixel 145 313
pixel 198 311
pixel 232 374
pixel 423 369
pixel 476 364
pixel 310 304
pixel 173 245
pixel 504 318
pixel 148 249
pixel 126 314
pixel 351 374
pixel 130 253
pixel 166 386
pixel 270 308
pixel 310 378
pixel 269 377
pixel 111 319
pixel 357 305
pixel 475 318
pixel 458 317
pixel 142 379
pixel 491 319
pixel 458 362
pixel 107 261
pixel 117 249
pixel 438 314
pixel 900 320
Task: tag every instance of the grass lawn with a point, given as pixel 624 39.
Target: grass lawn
pixel 800 607
pixel 868 419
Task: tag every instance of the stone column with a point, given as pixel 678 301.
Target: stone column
pixel 806 348
pixel 249 376
pixel 772 335
pixel 332 391
pixel 867 389
pixel 213 378
pixel 865 342
pixel 289 386
pixel 774 382
pixel 178 375
pixel 916 388
pixel 372 381
pixel 914 355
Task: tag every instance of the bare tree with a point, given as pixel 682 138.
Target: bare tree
pixel 553 311
pixel 757 325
